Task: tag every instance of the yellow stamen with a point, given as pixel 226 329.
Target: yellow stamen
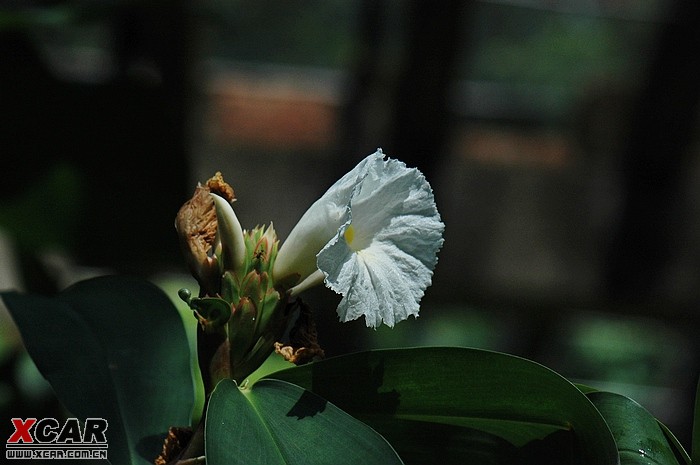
pixel 349 234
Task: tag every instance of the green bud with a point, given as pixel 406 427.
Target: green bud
pixel 240 312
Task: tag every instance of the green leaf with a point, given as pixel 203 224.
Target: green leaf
pixel 640 439
pixel 463 393
pixel 277 423
pixel 114 348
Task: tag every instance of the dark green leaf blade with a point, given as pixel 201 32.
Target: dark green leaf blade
pixel 234 433
pixel 502 395
pixel 112 347
pixel 275 422
pixel 639 438
pixel 311 430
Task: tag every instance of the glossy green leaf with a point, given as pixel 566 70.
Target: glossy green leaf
pixel 640 439
pixel 277 423
pixel 113 348
pixel 675 445
pixel 462 393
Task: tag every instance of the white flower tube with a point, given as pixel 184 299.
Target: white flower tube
pixel 320 223
pixel 374 236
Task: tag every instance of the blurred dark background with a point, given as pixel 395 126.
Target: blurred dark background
pixel 560 138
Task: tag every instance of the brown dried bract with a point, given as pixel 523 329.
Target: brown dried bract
pixel 174 444
pixel 217 185
pixel 300 356
pixel 196 223
pixel 303 339
pixel 196 226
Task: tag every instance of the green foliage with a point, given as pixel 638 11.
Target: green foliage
pixel 115 347
pixel 640 439
pixel 465 397
pixel 112 347
pixel 275 422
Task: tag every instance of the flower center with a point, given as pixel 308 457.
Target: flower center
pixel 356 240
pixel 349 234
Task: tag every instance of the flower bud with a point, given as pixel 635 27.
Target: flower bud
pixel 230 234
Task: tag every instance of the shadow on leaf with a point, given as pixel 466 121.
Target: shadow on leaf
pixel 308 405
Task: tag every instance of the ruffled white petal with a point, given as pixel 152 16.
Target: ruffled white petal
pixel 381 260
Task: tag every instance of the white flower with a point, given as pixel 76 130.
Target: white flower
pixel 372 237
